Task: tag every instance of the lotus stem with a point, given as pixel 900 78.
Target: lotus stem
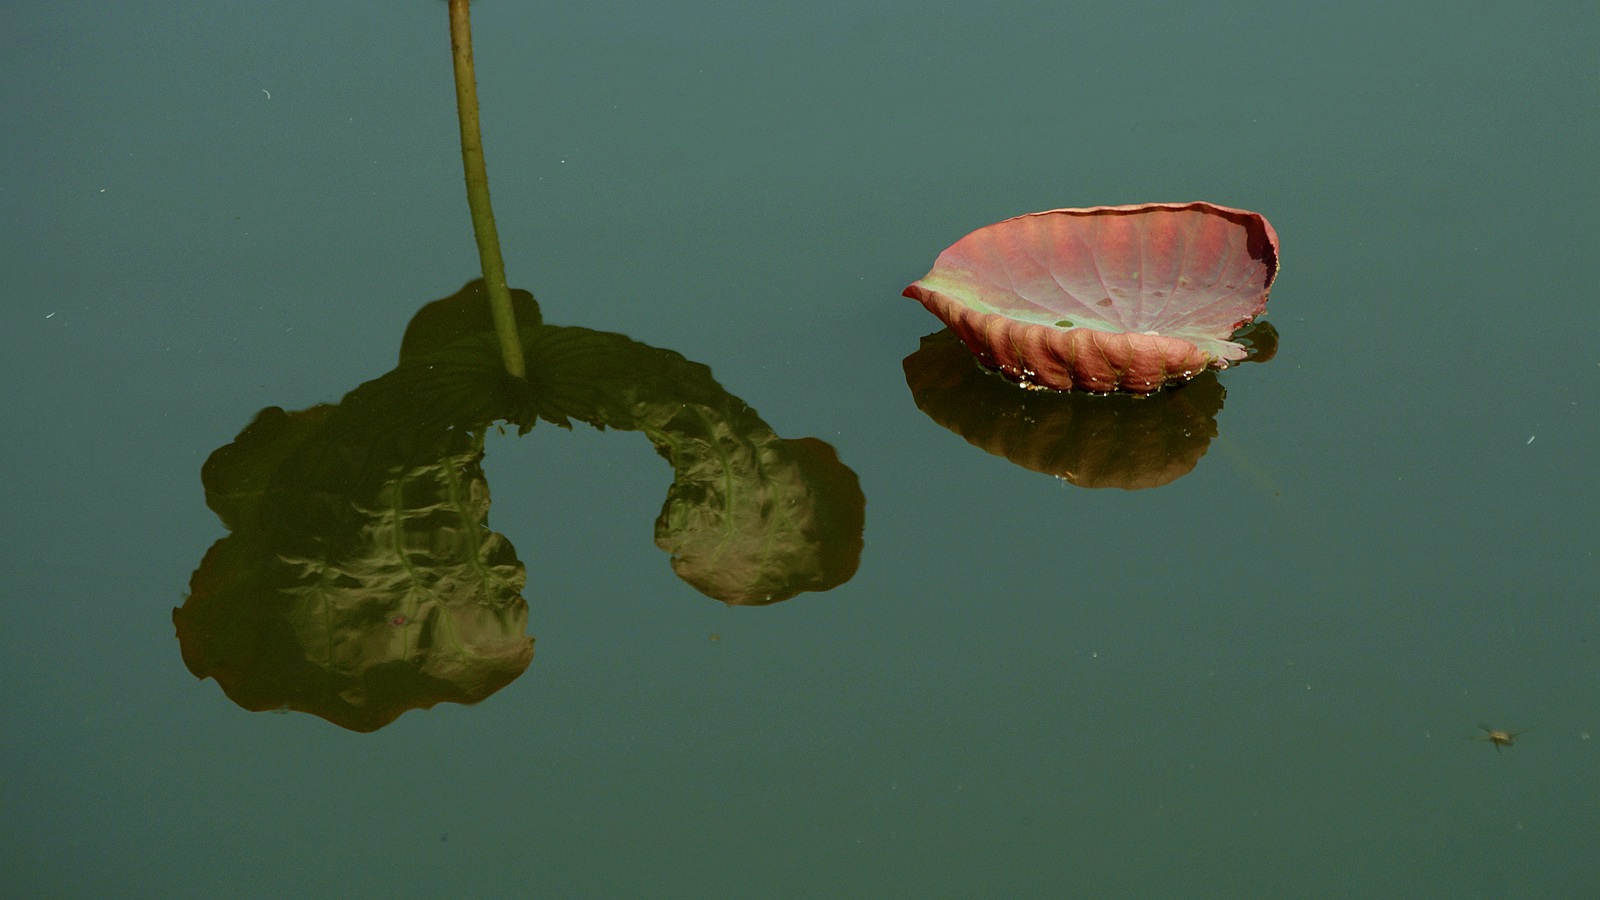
pixel 494 266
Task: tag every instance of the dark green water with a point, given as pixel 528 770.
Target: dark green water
pixel 1257 680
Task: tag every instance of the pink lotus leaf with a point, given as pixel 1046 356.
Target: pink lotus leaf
pixel 1109 298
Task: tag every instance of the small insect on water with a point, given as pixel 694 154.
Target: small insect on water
pixel 1498 737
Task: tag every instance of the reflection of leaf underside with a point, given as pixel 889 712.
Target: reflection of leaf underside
pixel 361 579
pixel 750 517
pixel 1092 441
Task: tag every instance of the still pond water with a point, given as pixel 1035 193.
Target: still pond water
pixel 1260 678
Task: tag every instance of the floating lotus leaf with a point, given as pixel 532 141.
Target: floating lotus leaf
pixel 1110 298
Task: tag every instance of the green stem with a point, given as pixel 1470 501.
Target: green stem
pixel 494 266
